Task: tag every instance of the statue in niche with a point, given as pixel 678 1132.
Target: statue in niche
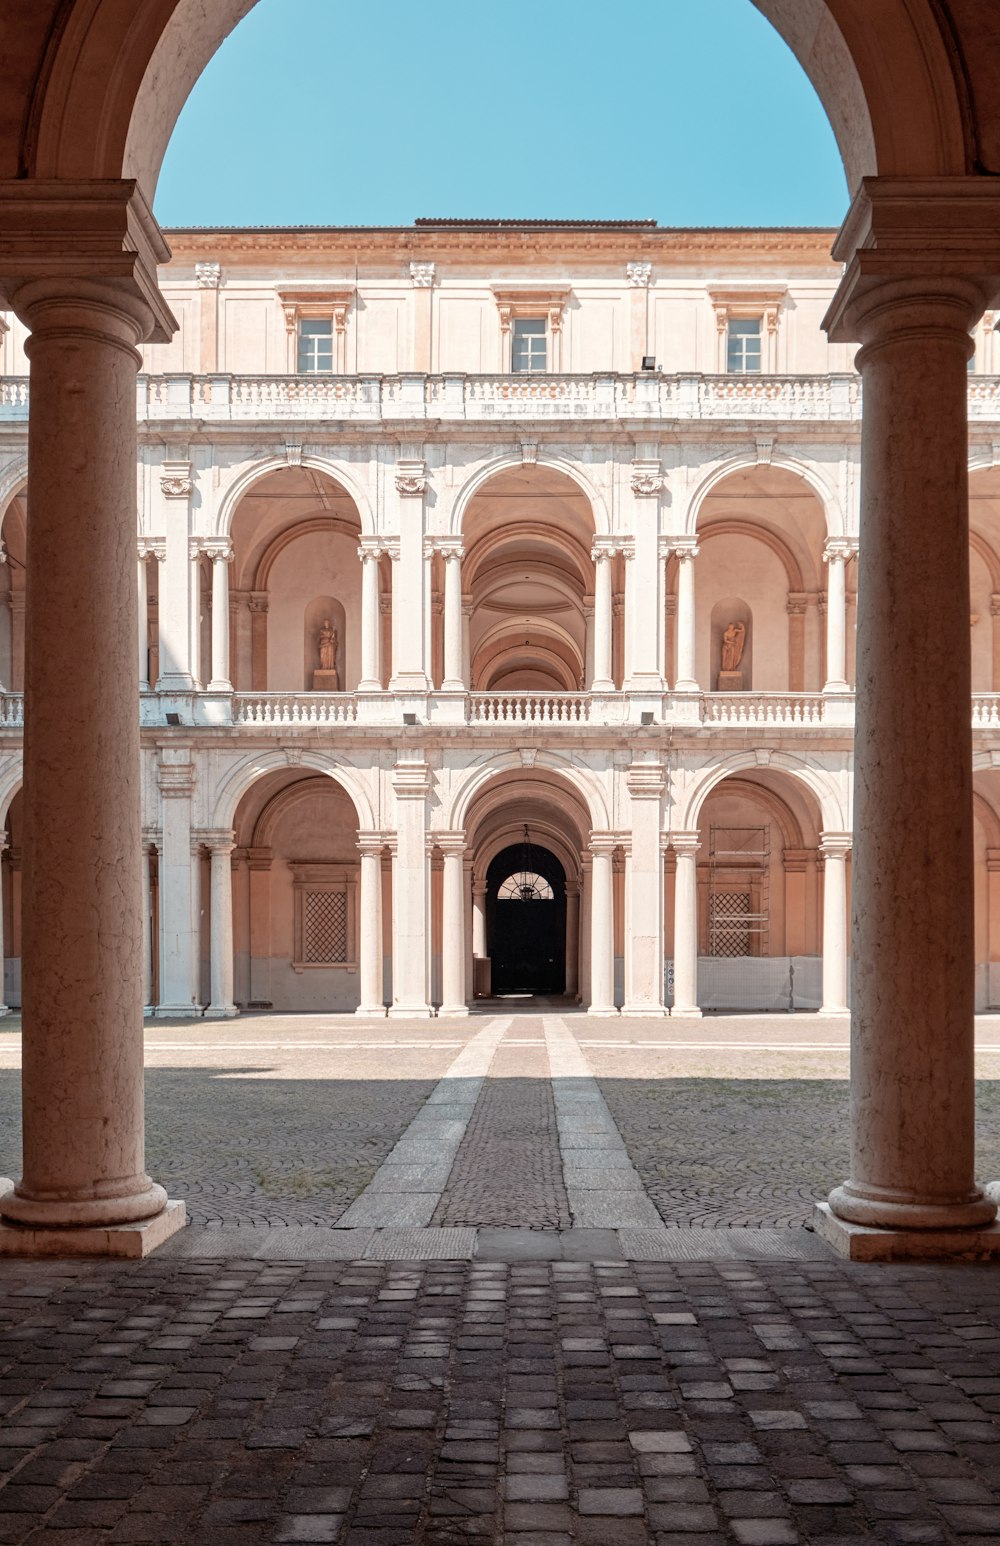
pixel 327 678
pixel 733 641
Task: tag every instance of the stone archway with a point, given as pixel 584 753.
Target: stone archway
pixel 526 921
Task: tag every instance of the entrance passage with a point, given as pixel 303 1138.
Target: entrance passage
pixel 526 921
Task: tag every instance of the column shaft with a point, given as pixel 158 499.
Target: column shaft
pixel 834 928
pixel 686 672
pixel 685 846
pixel 222 1005
pixel 220 624
pixel 142 618
pixel 453 932
pixel 836 624
pixel 83 1055
pixel 370 932
pixel 602 681
pixel 453 662
pixel 602 945
pixel 147 930
pixel 371 676
pixel 572 940
pixel 913 992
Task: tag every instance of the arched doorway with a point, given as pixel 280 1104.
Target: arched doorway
pixel 526 920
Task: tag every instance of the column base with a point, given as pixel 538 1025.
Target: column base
pixel 692 1013
pixel 455 1012
pixel 221 1012
pixel 604 1014
pixel 834 1013
pixel 875 1207
pixel 371 1011
pixel 645 1011
pixel 867 1242
pixel 178 1012
pixel 417 1012
pixel 124 1241
pixel 214 686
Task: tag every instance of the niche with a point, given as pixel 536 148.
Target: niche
pixel 322 614
pixel 732 646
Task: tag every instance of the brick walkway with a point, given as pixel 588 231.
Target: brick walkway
pixel 377 1403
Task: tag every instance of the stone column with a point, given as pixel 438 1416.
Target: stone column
pixel 572 940
pixel 687 680
pixel 175 604
pixel 16 602
pixel 644 878
pixel 685 846
pixel 143 621
pixel 221 555
pixel 410 590
pixel 467 640
pixel 371 669
pixel 82 1082
pixel 834 846
pixel 602 914
pixel 221 848
pixel 411 914
pixel 147 931
pixel 795 607
pixel 370 846
pixel 454 677
pixel 644 580
pixel 176 776
pixel 4 1010
pixel 602 680
pixel 478 920
pixel 196 907
pixel 452 846
pixel 836 554
pixel 913 947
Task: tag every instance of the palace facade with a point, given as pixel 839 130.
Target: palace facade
pixel 497 611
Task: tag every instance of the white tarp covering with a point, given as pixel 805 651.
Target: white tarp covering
pixel 762 983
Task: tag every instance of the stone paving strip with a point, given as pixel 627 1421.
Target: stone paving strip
pixel 408 1185
pixel 394 1403
pixel 507 1169
pixel 603 1186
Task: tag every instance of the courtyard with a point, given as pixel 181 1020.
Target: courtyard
pixel 531 1278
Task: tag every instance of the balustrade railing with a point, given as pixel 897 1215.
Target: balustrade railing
pixel 760 708
pixel 292 708
pixel 985 710
pixel 11 711
pixel 529 708
pixel 597 396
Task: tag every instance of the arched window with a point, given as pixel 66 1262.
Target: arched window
pixel 526 886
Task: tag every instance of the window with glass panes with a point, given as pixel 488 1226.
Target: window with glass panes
pixel 315 345
pixel 743 344
pixel 529 345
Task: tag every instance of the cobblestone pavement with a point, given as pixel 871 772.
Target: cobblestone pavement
pixel 272 1120
pixel 378 1403
pixel 507 1170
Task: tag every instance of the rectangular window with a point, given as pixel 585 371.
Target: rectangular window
pixel 743 345
pixel 529 345
pixel 315 346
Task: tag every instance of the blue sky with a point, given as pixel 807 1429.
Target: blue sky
pixel 333 112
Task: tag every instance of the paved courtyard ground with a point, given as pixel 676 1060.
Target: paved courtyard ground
pixel 528 1280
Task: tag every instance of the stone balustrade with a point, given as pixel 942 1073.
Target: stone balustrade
pixel 759 708
pixel 529 708
pixel 291 708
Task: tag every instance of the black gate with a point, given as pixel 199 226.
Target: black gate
pixel 526 921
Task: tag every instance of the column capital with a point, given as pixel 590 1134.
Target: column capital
pixel 796 602
pixel 176 481
pixel 910 244
pixel 835 844
pixel 603 843
pixel 258 601
pixel 218 549
pixel 685 842
pixel 371 844
pixel 449 547
pixel 371 548
pixel 92 242
pixel 843 548
pixel 153 547
pixel 177 780
pixel 218 842
pixel 682 547
pixel 411 780
pixel 606 547
pixel 451 843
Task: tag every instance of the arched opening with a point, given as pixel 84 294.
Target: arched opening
pixel 295 875
pixel 984 577
pixel 524 823
pixel 527 574
pixel 761 533
pixel 760 895
pixel 295 543
pixel 526 921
